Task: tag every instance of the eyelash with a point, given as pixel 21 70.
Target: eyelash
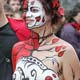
pixel 34 10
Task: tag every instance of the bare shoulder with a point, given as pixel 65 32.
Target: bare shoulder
pixel 69 50
pixel 70 54
pixel 70 59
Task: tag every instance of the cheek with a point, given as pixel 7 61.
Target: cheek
pixel 38 19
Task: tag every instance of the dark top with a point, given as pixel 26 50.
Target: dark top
pixel 7 39
pixel 71 35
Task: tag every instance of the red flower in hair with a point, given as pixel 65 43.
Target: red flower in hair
pixel 56 3
pixel 25 4
pixel 61 11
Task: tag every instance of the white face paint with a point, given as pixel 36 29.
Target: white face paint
pixel 30 68
pixel 36 16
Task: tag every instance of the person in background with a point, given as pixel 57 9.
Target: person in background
pixel 71 30
pixel 11 31
pixel 16 7
pixel 14 4
pixel 8 11
pixel 52 58
pixel 7 39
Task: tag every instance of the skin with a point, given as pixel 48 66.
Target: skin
pixel 53 47
pixel 15 5
pixel 3 19
pixel 66 62
pixel 77 18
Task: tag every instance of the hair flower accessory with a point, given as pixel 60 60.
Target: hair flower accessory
pixel 61 11
pixel 56 4
pixel 25 4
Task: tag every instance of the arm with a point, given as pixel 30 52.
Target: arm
pixel 3 19
pixel 71 65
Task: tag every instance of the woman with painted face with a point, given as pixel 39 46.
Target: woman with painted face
pixel 51 58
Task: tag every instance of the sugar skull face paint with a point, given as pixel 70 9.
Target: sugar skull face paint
pixel 36 16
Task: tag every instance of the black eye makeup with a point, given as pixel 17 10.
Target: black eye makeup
pixel 34 9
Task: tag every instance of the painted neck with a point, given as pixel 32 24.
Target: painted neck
pixel 45 33
pixel 44 30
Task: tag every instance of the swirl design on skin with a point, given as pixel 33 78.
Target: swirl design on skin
pixel 30 68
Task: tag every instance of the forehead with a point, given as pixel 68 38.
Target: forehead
pixel 14 1
pixel 34 3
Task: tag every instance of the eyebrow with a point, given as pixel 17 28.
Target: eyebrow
pixel 36 7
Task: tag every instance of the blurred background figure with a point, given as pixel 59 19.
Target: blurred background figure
pixel 8 10
pixel 14 4
pixel 71 30
pixel 69 4
pixel 61 21
pixel 9 36
pixel 16 7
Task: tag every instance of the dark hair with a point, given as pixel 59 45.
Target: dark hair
pixel 51 8
pixel 8 1
pixel 72 13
